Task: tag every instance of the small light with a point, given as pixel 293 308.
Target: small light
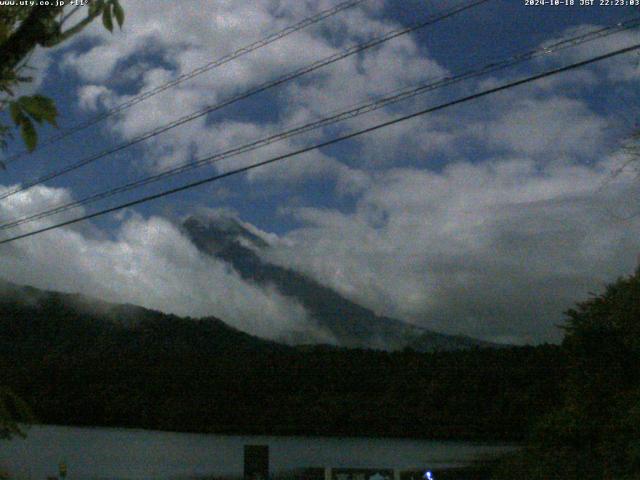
pixel 428 475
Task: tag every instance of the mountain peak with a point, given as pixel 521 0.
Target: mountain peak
pixel 350 324
pixel 219 230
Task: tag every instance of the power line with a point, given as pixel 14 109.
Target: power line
pixel 379 126
pixel 187 76
pixel 360 109
pixel 265 86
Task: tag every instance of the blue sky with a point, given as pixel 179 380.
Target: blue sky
pixel 488 219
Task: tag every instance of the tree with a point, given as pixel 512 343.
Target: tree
pixel 596 433
pixel 22 30
pixel 13 411
pixel 603 339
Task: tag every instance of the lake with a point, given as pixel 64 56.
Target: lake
pixel 124 453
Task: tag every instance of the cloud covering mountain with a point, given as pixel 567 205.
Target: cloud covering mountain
pixel 345 322
pixel 488 219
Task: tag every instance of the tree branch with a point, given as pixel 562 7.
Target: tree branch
pixel 34 30
pixel 78 27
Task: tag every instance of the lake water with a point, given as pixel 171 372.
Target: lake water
pixel 140 454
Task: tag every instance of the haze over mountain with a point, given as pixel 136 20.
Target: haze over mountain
pixel 80 361
pixel 347 323
pixel 63 321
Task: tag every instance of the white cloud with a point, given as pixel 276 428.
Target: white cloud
pixel 492 250
pixel 192 37
pixel 618 69
pixel 92 96
pixel 148 262
pixel 549 128
pixel 496 244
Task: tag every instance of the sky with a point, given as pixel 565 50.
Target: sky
pixel 488 219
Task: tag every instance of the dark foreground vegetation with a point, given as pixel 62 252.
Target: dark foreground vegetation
pixel 576 406
pixel 81 364
pixel 595 433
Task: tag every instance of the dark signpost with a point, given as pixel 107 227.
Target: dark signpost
pixel 256 462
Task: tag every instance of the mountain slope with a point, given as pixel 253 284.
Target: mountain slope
pixel 352 325
pixel 67 322
pixel 77 361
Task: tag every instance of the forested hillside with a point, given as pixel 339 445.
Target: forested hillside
pixel 80 363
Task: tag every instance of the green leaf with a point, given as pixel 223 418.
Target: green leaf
pixel 96 7
pixel 12 411
pixel 16 112
pixel 5 31
pixel 106 18
pixel 118 12
pixel 40 108
pixel 29 134
pixel 28 106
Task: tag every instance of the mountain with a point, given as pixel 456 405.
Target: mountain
pixel 69 322
pixel 79 361
pixel 352 325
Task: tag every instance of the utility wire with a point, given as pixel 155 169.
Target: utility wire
pixel 362 108
pixel 265 86
pixel 187 76
pixel 333 141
